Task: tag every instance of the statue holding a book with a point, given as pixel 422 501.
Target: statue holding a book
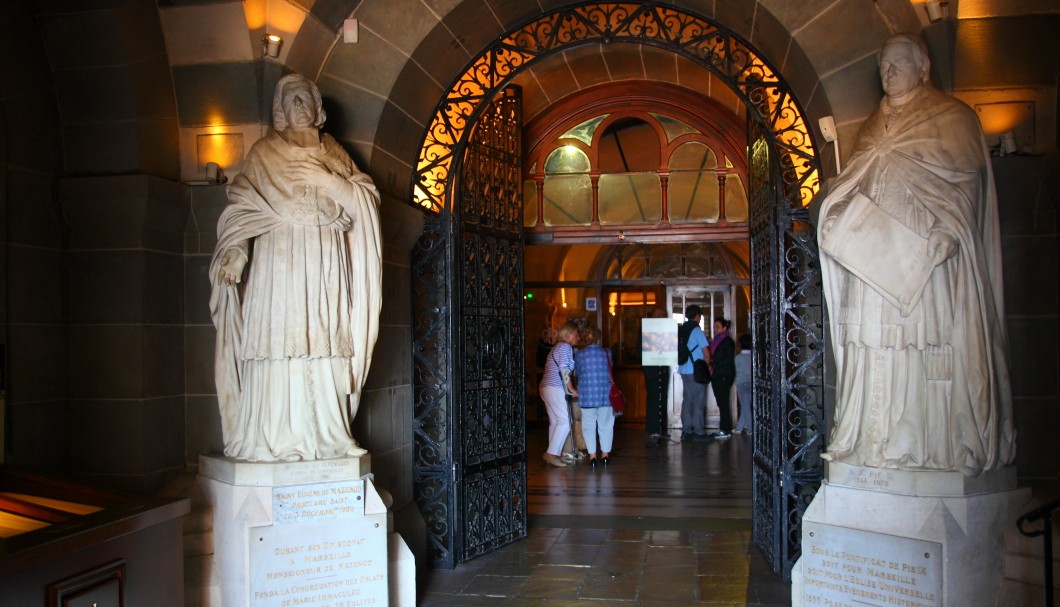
pixel 911 260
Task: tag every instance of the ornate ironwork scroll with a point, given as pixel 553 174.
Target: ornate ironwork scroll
pixel 788 360
pixel 432 386
pixel 471 454
pixel 710 45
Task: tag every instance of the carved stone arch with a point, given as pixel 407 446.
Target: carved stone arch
pixel 711 45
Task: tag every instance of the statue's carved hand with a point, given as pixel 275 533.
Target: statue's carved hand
pixel 941 246
pixel 231 267
pixel 315 174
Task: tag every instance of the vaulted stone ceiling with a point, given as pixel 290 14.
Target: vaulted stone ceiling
pixel 567 73
pixel 149 75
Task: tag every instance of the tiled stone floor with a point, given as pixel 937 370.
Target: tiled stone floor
pixel 558 567
pixel 665 525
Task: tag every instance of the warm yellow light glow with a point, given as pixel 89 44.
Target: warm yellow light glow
pixel 65 506
pixel 13 524
pixel 1002 116
pixel 226 149
pixel 791 129
pixel 218 123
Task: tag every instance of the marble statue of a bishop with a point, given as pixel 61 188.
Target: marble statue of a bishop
pixel 295 338
pixel 911 261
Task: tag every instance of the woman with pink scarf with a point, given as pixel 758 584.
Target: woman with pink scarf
pixel 722 373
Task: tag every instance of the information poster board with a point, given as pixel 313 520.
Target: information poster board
pixel 658 342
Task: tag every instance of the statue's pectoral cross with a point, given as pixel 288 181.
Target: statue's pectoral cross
pixel 306 205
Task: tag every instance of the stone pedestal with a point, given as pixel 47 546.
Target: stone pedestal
pixel 312 533
pixel 882 537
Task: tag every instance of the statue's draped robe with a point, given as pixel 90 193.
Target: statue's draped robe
pixel 928 390
pixel 291 360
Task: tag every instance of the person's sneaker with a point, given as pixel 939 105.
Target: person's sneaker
pixel 720 434
pixel 555 461
pixel 685 437
pixel 567 458
pixel 581 455
pixel 701 437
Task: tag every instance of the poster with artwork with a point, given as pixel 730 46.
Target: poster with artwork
pixel 658 342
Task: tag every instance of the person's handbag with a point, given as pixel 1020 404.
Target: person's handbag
pixel 700 368
pixel 701 372
pixel 618 402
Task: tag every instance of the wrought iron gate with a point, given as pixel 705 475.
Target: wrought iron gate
pixel 470 466
pixel 457 338
pixel 788 324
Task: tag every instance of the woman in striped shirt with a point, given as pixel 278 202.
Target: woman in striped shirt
pixel 554 387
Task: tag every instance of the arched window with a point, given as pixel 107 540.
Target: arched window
pixel 633 168
pixel 693 183
pixel 629 154
pixel 567 187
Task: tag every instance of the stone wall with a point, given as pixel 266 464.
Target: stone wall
pixel 1028 192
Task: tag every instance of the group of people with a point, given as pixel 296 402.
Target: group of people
pixel 581 419
pixel 591 364
pixel 728 366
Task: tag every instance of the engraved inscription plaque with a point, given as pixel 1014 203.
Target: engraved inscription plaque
pixel 322 501
pixel 852 568
pixel 320 564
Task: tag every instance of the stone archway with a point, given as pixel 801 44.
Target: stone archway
pixel 790 367
pixel 709 44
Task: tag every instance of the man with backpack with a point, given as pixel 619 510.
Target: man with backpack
pixel 692 345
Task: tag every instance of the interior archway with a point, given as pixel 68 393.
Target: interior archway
pixel 786 178
pixel 708 44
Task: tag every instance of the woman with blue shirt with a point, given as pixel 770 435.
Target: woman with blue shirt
pixel 593 366
pixel 554 387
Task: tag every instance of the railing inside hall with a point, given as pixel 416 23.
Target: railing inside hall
pixel 1045 515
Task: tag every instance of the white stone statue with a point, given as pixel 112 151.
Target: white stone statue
pixel 911 260
pixel 295 340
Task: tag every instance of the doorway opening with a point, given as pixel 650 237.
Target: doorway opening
pixel 467 231
pixel 614 288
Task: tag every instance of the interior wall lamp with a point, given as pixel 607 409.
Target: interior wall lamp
pixel 936 9
pixel 216 153
pixel 270 45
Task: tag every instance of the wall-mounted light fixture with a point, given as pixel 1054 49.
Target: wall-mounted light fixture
pixel 831 135
pixel 270 45
pixel 936 9
pixel 217 152
pixel 215 174
pixel 1007 122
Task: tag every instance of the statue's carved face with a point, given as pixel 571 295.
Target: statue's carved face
pixel 299 106
pixel 900 72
